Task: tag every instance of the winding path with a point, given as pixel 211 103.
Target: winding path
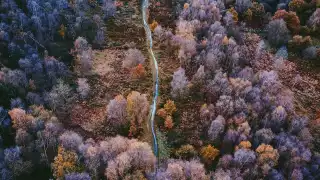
pixel 145 4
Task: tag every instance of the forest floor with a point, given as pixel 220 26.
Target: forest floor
pixel 109 79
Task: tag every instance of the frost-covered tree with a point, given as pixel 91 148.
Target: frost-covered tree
pixel 213 59
pixel 240 87
pixel 60 95
pixel 117 111
pixel 278 33
pixel 84 55
pixel 225 106
pixel 48 139
pixel 138 156
pixel 77 176
pixel 275 175
pixel 293 149
pixel 244 157
pixel 276 120
pixel 111 148
pixel 186 52
pixel 132 58
pixel 216 128
pixel 269 83
pixel 199 78
pixel 242 5
pixel 16 78
pixel 228 19
pixel 208 11
pixel 83 87
pixel 17 103
pixel 240 106
pixel 310 53
pixel 14 161
pixel 54 70
pixel 80 45
pixel 109 8
pixel 219 86
pixel 314 20
pixel 97 19
pixel 226 174
pixel 207 113
pixel 91 154
pixel 246 73
pixel 85 60
pixel 297 174
pixel 179 84
pixel 23 138
pixel 178 169
pixel 297 124
pixel 306 138
pixel 263 136
pixel 216 28
pixel 225 161
pixel 282 52
pixel 100 37
pixel 70 140
pixel 4 117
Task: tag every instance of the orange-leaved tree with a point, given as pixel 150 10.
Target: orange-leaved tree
pixel 291 19
pixel 209 153
pixel 65 162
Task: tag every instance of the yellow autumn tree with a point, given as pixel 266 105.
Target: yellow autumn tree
pixel 186 6
pixel 170 107
pixel 62 31
pixel 153 25
pixel 209 153
pixel 137 108
pixel 186 151
pixel 297 5
pixel 248 15
pixel 65 162
pixel 225 41
pixel 234 14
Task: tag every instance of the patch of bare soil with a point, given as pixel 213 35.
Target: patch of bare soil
pixel 89 119
pixel 102 60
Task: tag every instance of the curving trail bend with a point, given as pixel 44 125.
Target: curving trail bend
pixel 145 4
